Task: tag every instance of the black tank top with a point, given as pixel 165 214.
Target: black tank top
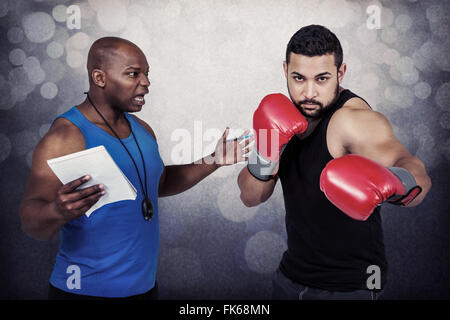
pixel 326 248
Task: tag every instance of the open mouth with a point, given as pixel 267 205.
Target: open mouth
pixel 139 100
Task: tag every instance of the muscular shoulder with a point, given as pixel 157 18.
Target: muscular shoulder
pixel 358 120
pixel 145 125
pixel 355 103
pixel 356 124
pixel 62 138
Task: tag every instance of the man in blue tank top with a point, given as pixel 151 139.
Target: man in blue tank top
pixel 113 253
pixel 338 161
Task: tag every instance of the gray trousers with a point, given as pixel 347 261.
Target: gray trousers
pixel 286 289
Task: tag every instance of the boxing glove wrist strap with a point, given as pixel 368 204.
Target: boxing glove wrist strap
pixel 412 190
pixel 261 168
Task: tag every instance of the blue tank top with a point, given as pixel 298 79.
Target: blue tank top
pixel 114 251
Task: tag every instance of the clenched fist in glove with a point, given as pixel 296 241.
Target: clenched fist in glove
pixel 275 121
pixel 357 185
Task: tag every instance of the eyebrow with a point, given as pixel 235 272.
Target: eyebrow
pixel 326 73
pixel 135 68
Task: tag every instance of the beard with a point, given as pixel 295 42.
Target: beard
pixel 322 109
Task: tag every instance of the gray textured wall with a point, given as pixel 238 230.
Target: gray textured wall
pixel 210 64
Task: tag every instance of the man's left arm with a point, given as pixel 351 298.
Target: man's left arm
pixel 176 179
pixel 376 168
pixel 369 134
pixel 179 178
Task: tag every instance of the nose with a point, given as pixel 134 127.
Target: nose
pixel 145 81
pixel 310 91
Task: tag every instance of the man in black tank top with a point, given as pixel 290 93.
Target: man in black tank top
pixel 338 161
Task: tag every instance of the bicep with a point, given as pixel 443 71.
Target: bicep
pixel 42 182
pixel 369 134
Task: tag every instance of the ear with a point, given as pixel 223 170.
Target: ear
pixel 98 78
pixel 341 72
pixel 285 67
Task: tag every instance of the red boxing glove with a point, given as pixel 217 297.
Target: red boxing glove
pixel 357 185
pixel 275 121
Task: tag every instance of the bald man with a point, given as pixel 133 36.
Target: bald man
pixel 113 252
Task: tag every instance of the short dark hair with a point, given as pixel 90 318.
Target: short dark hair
pixel 315 40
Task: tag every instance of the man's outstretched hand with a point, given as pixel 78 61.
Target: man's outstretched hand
pixel 229 152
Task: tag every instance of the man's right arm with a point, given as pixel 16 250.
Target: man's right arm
pixel 47 204
pixel 254 191
pixel 275 121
